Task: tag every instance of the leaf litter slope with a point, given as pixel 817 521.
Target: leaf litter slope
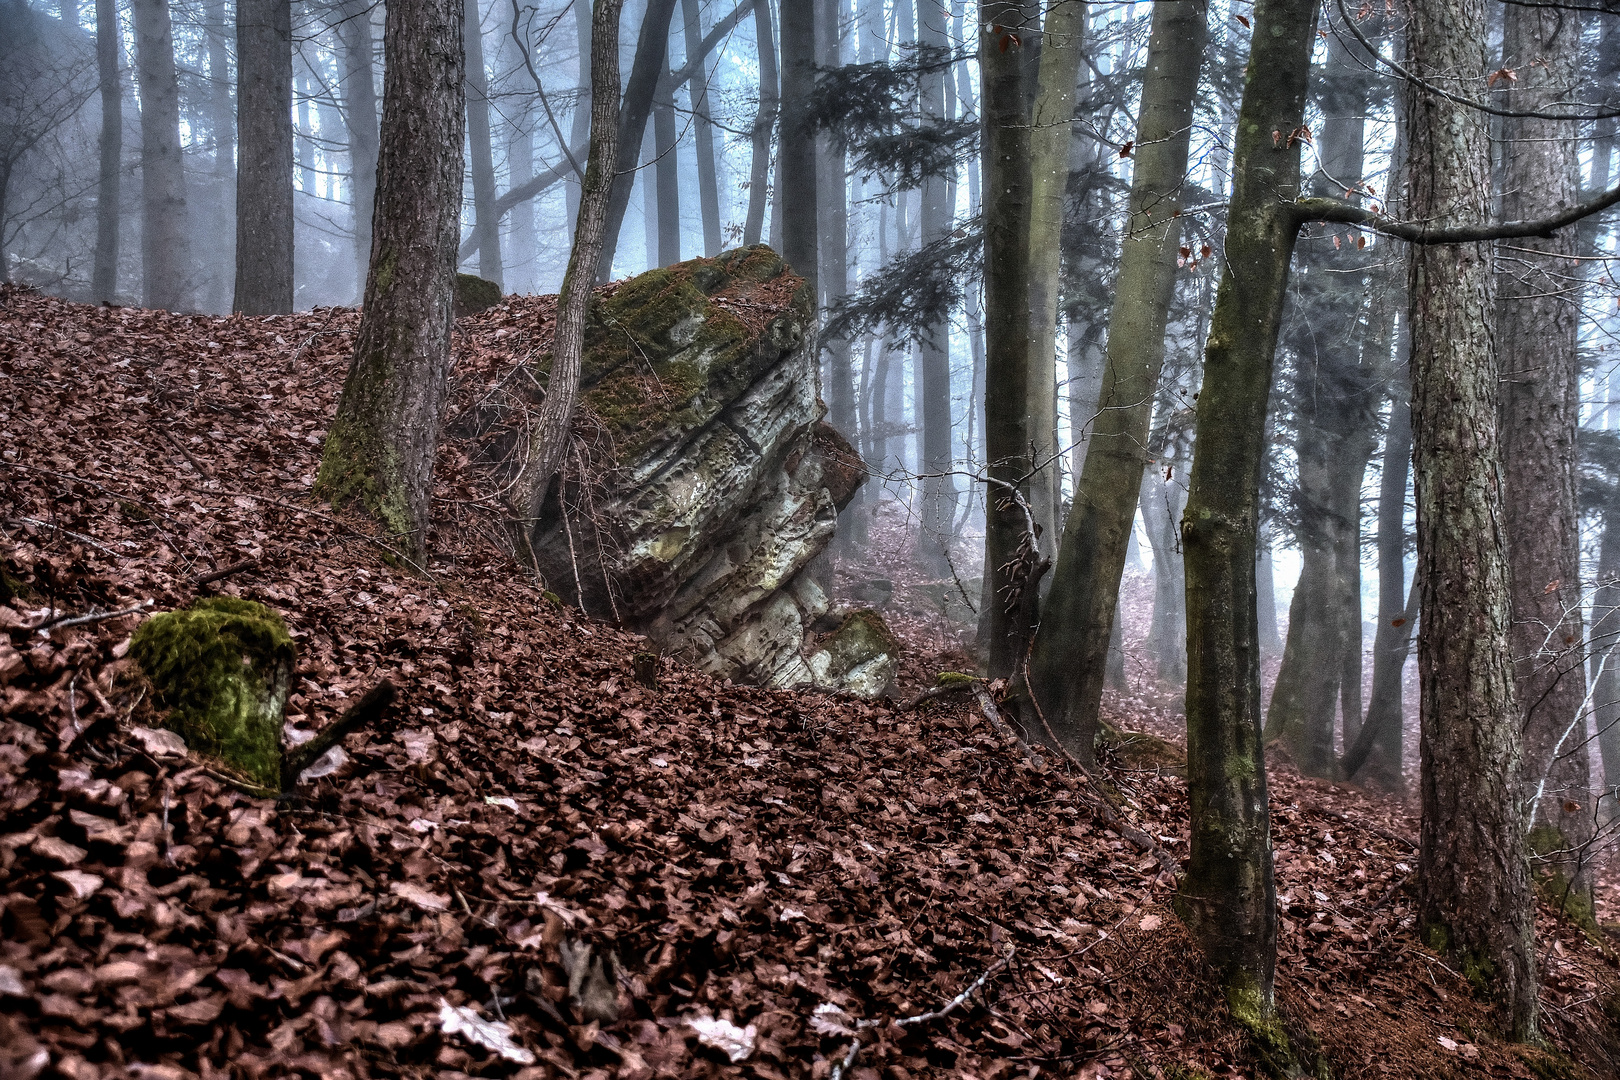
pixel 745 856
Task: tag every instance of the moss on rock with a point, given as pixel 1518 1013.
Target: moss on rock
pixel 475 294
pixel 222 668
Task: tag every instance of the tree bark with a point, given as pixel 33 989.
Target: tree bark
pixel 480 150
pixel 1537 317
pixel 649 65
pixel 1474 902
pixel 580 126
pixel 1605 657
pixel 703 132
pixel 1068 665
pixel 165 250
pixel 104 275
pixel 553 426
pixel 759 176
pixel 666 173
pixel 1228 894
pixel 360 117
pixel 379 451
pixel 222 130
pixel 1163 501
pixel 796 145
pixel 264 182
pixel 934 352
pixel 1007 31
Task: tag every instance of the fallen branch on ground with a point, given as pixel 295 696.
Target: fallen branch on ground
pixel 1004 729
pixel 361 713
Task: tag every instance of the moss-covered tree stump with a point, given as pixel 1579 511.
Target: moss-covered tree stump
pixel 222 668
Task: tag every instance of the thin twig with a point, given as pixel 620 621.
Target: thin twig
pixel 60 622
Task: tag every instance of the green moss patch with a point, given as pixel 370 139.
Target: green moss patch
pixel 475 294
pixel 222 668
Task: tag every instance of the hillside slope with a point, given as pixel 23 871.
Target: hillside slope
pixel 742 855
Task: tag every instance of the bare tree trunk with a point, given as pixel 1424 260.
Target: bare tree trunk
pixel 703 133
pixel 165 250
pixel 580 126
pixel 379 451
pixel 360 117
pixel 519 255
pixel 264 184
pixel 104 276
pixel 934 353
pixel 652 49
pixel 1474 901
pixel 1537 315
pixel 759 177
pixel 222 129
pixel 1163 499
pixel 1068 665
pixel 1605 657
pixel 666 174
pixel 796 145
pixel 1228 894
pixel 554 425
pixel 480 150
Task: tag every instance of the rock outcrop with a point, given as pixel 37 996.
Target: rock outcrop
pixel 715 483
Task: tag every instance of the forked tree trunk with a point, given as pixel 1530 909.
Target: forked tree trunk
pixel 165 250
pixel 480 150
pixel 1537 315
pixel 1474 902
pixel 703 132
pixel 553 426
pixel 104 275
pixel 379 451
pixel 360 117
pixel 1068 665
pixel 759 166
pixel 1228 895
pixel 264 182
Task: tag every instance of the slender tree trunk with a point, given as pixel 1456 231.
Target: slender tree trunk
pixel 264 183
pixel 1474 901
pixel 519 255
pixel 1163 500
pixel 796 145
pixel 703 133
pixel 104 276
pixel 480 150
pixel 1228 895
pixel 1068 665
pixel 934 352
pixel 759 177
pixel 1537 316
pixel 165 250
pixel 652 49
pixel 580 125
pixel 666 173
pixel 1605 657
pixel 1377 747
pixel 554 425
pixel 360 117
pixel 1266 598
pixel 222 129
pixel 379 451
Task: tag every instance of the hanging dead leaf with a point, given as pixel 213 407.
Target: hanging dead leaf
pixel 1507 74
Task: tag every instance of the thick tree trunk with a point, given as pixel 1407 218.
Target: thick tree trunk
pixel 1375 756
pixel 796 145
pixel 1474 900
pixel 703 132
pixel 1011 559
pixel 1228 895
pixel 1061 34
pixel 165 247
pixel 554 425
pixel 360 117
pixel 379 451
pixel 1068 665
pixel 759 176
pixel 264 183
pixel 652 49
pixel 1537 316
pixel 104 275
pixel 480 150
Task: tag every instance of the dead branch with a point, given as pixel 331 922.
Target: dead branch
pixel 1004 729
pixel 61 622
pixel 217 575
pixel 935 692
pixel 365 711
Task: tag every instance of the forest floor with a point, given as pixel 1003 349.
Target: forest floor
pixel 774 875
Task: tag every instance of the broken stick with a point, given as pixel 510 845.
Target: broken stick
pixel 365 711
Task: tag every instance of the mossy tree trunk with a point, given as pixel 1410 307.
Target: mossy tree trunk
pixel 1537 313
pixel 1069 661
pixel 553 425
pixel 1474 901
pixel 1008 34
pixel 379 451
pixel 1228 895
pixel 264 186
